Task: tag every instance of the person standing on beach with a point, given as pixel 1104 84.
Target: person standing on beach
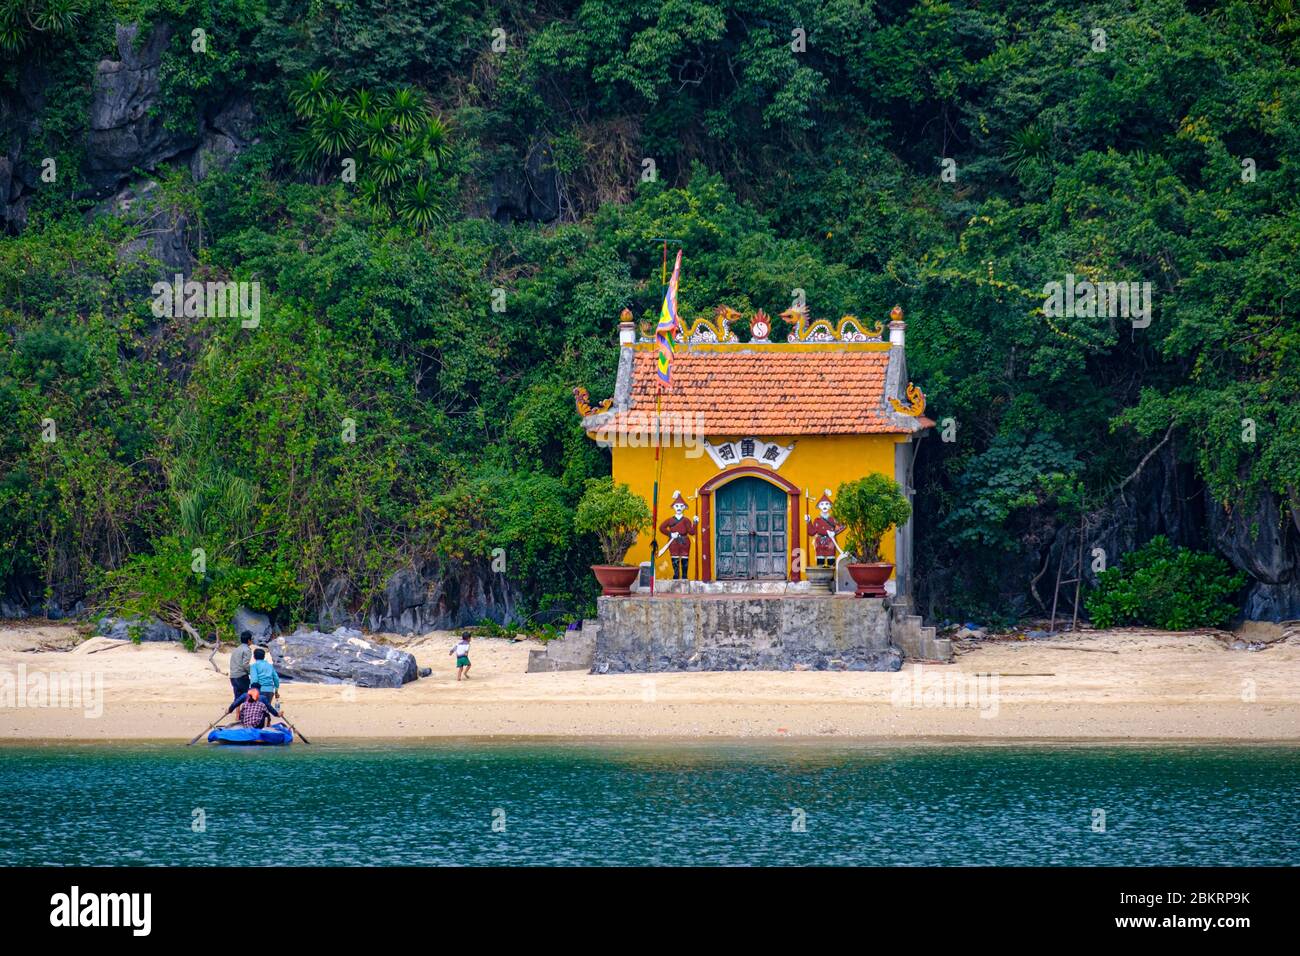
pixel 461 650
pixel 263 673
pixel 239 664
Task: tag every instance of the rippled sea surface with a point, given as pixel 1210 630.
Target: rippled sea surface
pixel 477 803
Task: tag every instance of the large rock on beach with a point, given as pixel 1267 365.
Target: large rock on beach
pixel 257 624
pixel 125 629
pixel 341 658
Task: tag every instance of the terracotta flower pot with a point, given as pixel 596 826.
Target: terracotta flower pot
pixel 870 578
pixel 615 579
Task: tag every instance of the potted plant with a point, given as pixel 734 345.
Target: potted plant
pixel 868 508
pixel 615 516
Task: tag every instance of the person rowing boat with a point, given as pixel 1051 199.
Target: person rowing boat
pixel 253 710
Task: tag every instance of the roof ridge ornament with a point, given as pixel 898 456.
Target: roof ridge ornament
pixel 716 330
pixel 848 329
pixel 583 400
pixel 916 400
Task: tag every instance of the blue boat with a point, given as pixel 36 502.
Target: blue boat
pixel 274 736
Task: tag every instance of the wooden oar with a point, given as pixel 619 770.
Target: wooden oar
pixel 296 731
pixel 207 728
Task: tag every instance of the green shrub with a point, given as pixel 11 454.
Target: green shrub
pixel 614 514
pixel 1171 588
pixel 869 507
pixel 166 584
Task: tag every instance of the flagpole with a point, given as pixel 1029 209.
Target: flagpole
pixel 654 505
pixel 664 334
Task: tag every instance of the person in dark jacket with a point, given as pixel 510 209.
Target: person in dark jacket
pixel 239 664
pixel 253 708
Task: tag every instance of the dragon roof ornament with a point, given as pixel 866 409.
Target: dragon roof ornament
pixel 848 329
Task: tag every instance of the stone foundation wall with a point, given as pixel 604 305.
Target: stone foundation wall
pixel 572 652
pixel 759 632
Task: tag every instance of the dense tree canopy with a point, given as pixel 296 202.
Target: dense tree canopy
pixel 796 145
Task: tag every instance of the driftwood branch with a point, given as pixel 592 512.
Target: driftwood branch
pixel 176 619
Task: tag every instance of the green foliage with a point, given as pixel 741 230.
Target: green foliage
pixel 778 170
pixel 1171 588
pixel 26 22
pixel 165 584
pixel 868 508
pixel 402 151
pixel 613 514
pixel 1011 485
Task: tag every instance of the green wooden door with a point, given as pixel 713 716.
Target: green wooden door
pixel 751 531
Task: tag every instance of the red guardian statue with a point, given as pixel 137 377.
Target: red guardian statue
pixel 680 529
pixel 824 528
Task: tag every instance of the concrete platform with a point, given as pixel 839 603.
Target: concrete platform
pixel 667 586
pixel 764 631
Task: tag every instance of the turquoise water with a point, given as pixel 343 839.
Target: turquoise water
pixel 593 803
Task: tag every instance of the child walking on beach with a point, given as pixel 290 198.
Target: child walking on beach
pixel 461 650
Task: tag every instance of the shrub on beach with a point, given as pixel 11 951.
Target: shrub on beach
pixel 1175 589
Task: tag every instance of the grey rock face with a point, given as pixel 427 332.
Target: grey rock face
pixel 1266 546
pixel 1163 500
pixel 415 601
pixel 527 194
pixel 12 610
pixel 258 624
pixel 163 246
pixel 333 611
pixel 342 657
pixel 237 123
pixel 214 152
pixel 125 131
pixel 642 634
pixel 119 629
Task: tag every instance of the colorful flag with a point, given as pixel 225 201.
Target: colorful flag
pixel 670 326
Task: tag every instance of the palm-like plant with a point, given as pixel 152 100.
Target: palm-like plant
pixel 362 104
pixel 374 195
pixel 407 107
pixel 313 93
pixel 436 141
pixel 20 18
pixel 12 34
pixel 303 154
pixel 386 165
pixel 418 205
pixel 333 131
pixel 375 131
pixel 1028 146
pixel 54 16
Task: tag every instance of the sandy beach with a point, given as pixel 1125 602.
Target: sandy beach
pixel 1117 685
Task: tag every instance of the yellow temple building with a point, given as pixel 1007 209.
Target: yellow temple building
pixel 753 435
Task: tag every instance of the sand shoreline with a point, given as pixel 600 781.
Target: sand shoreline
pixel 874 743
pixel 1106 688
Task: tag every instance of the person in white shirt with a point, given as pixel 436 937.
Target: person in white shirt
pixel 461 650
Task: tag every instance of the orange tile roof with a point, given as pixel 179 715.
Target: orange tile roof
pixel 819 391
